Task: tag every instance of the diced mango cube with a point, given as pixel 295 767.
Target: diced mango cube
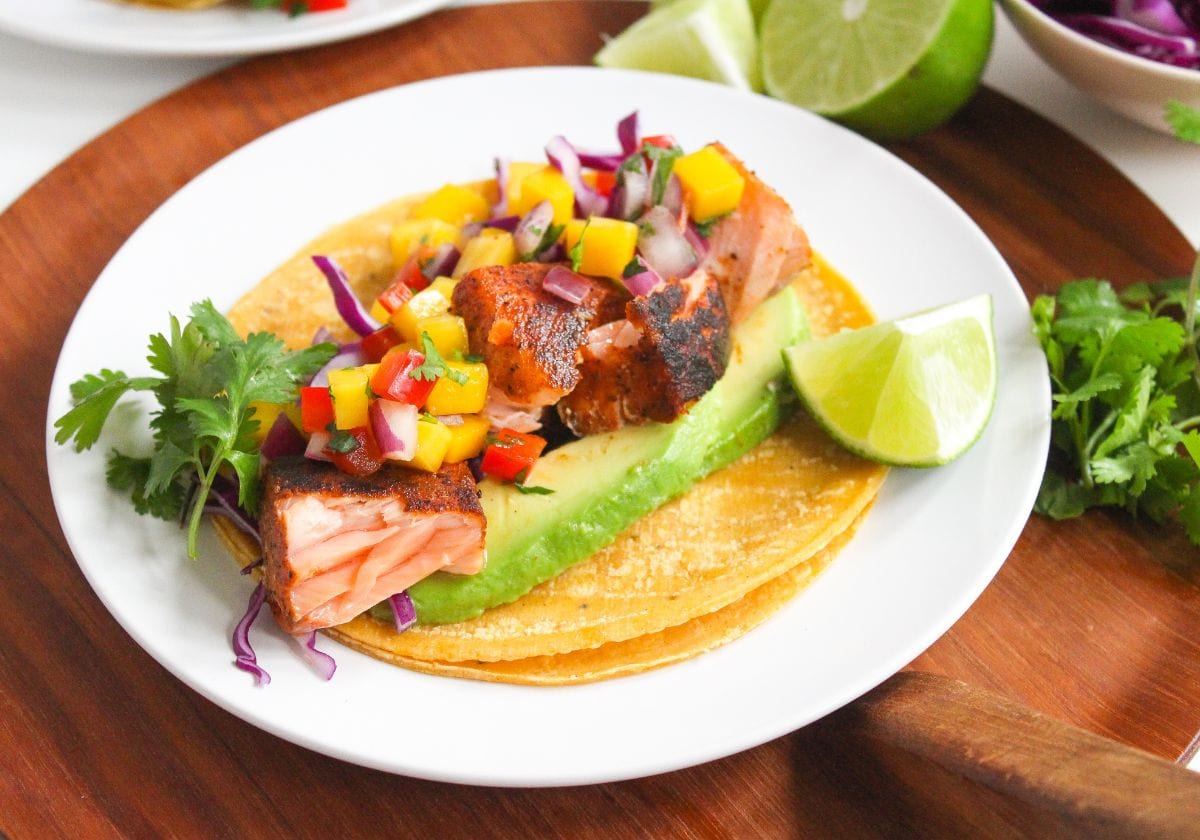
pixel 608 245
pixel 467 440
pixel 426 303
pixel 433 439
pixel 411 234
pixel 454 204
pixel 350 389
pixel 518 171
pixel 491 247
pixel 545 184
pixel 711 185
pixel 447 332
pixel 450 397
pixel 267 413
pixel 379 312
pixel 445 285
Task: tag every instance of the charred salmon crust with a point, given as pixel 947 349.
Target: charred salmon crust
pixel 681 351
pixel 335 544
pixel 529 337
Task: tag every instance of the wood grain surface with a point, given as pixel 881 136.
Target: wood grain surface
pixel 1095 623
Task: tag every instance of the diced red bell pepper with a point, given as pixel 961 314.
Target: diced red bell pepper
pixel 363 459
pixel 394 381
pixel 663 141
pixel 397 294
pixel 316 408
pixel 376 345
pixel 604 182
pixel 512 455
pixel 298 6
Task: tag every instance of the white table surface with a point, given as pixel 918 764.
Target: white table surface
pixel 52 101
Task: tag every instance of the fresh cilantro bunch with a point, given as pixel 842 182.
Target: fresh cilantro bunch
pixel 209 378
pixel 1126 384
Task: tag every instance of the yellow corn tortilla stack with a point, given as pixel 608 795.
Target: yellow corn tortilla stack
pixel 698 572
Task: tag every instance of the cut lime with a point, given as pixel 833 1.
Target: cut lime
pixel 888 68
pixel 914 392
pixel 707 39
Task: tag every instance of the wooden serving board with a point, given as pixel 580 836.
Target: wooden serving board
pixel 1094 622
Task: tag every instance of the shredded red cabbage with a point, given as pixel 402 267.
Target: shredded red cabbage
pixel 404 613
pixel 223 501
pixel 246 660
pixel 322 662
pixel 1166 31
pixel 348 306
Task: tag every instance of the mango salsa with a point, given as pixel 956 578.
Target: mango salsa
pixel 491 247
pixel 608 245
pixel 518 171
pixel 711 185
pixel 450 397
pixel 411 234
pixel 447 332
pixel 545 184
pixel 350 389
pixel 467 440
pixel 455 205
pixel 426 303
pixel 433 440
pixel 267 413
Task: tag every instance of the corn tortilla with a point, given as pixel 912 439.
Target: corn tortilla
pixel 699 571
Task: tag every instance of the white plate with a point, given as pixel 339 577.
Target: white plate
pixel 933 542
pixel 113 26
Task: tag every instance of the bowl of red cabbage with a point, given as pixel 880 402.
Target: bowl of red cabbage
pixel 1135 56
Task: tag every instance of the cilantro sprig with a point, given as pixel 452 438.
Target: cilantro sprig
pixel 435 364
pixel 1126 379
pixel 1184 121
pixel 209 376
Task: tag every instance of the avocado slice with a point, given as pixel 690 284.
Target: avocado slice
pixel 603 483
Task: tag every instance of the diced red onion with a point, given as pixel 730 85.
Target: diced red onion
pixel 555 253
pixel 663 245
pixel 532 227
pixel 322 662
pixel 395 427
pixel 348 305
pixel 283 438
pixel 566 284
pixel 404 613
pixel 322 335
pixel 602 162
pixel 620 333
pixel 501 165
pixel 451 419
pixel 699 243
pixel 507 223
pixel 351 355
pixel 644 282
pixel 629 198
pixel 627 134
pixel 672 197
pixel 443 262
pixel 565 159
pixel 246 660
pixel 316 446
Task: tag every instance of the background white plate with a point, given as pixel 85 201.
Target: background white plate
pixel 924 554
pixel 112 26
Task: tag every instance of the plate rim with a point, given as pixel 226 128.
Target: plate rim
pixel 749 738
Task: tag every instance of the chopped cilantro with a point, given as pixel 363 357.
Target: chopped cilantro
pixel 342 441
pixel 634 266
pixel 663 161
pixel 533 489
pixel 705 228
pixel 426 417
pixel 576 252
pixel 548 238
pixel 434 365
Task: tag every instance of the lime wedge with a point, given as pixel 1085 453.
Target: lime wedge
pixel 888 68
pixel 706 39
pixel 914 392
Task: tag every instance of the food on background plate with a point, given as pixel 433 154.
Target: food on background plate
pixel 633 526
pixel 1166 31
pixel 292 7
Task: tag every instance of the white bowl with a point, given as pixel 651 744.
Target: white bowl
pixel 1133 86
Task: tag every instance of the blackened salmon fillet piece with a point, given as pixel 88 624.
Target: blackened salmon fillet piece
pixel 529 337
pixel 669 350
pixel 757 249
pixel 336 544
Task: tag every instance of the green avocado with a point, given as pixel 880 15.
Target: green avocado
pixel 603 483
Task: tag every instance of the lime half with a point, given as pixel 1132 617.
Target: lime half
pixel 914 392
pixel 888 68
pixel 706 39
